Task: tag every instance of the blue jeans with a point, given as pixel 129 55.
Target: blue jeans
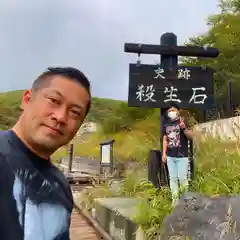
pixel 178 174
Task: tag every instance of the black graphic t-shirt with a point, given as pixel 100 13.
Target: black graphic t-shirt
pixel 177 141
pixel 36 201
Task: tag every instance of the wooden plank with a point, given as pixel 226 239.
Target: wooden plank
pixel 80 229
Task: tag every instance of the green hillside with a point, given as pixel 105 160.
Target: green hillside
pixel 129 126
pixel 10 102
pixel 9 108
pixel 136 130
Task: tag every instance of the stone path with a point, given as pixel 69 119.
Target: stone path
pixel 84 164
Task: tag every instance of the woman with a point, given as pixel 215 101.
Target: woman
pixel 175 150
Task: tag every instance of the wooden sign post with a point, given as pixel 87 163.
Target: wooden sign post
pixel 158 86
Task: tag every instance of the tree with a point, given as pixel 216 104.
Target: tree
pixel 124 117
pixel 224 34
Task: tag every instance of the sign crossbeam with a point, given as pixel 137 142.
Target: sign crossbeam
pixel 193 51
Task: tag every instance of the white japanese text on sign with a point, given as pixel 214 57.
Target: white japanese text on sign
pixel 170 95
pixel 201 96
pixel 145 93
pixel 182 73
pixel 159 73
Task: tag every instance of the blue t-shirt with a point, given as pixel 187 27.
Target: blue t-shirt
pixel 36 201
pixel 177 140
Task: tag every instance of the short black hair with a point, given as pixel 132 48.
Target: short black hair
pixel 73 74
pixel 175 105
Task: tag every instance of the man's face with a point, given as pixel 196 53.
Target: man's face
pixel 52 115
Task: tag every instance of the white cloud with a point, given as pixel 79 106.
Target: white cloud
pixel 90 35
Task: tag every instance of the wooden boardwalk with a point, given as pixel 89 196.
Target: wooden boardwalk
pixel 80 229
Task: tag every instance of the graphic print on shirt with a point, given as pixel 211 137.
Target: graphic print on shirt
pixel 173 135
pixel 40 219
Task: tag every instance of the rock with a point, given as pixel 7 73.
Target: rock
pixel 203 218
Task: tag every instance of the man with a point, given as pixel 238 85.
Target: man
pixel 36 201
pixel 175 150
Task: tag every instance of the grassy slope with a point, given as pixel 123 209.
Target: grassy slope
pixel 128 144
pixel 136 143
pixel 101 106
pixel 217 163
pixel 217 173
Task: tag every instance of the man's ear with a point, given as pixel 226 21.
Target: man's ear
pixel 27 96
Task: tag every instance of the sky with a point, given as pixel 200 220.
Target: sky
pixel 90 35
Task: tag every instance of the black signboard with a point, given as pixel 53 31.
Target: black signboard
pixel 151 86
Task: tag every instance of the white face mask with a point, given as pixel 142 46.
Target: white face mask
pixel 172 115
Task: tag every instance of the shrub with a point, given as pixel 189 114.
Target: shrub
pixel 217 173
